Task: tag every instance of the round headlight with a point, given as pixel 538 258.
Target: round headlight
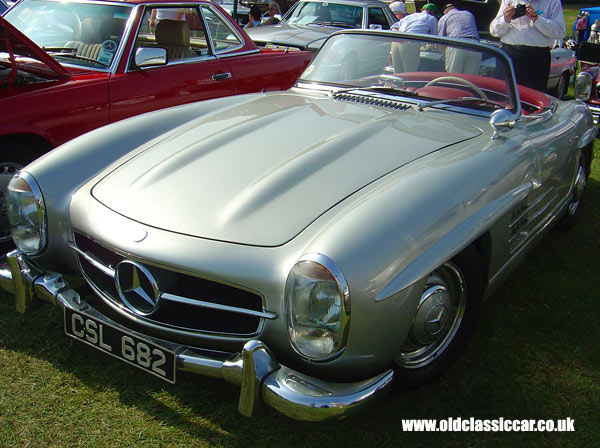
pixel 583 86
pixel 26 213
pixel 317 306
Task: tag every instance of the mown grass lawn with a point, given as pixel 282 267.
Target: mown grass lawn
pixel 535 355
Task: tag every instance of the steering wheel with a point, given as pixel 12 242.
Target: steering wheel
pixel 458 80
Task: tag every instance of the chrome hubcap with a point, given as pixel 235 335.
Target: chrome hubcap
pixel 432 315
pixel 7 170
pixel 438 318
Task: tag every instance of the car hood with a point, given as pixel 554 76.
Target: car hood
pixel 293 35
pixel 261 172
pixel 29 49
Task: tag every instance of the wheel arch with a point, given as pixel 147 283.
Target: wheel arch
pixel 37 146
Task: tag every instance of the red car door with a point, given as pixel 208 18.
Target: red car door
pixel 190 72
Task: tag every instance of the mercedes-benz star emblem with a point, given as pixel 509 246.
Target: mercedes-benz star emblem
pixel 137 288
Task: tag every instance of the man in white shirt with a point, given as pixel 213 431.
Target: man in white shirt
pixel 406 55
pixel 527 38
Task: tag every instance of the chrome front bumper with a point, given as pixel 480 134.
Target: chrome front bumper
pixel 255 369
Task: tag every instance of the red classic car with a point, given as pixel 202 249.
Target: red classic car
pixel 587 83
pixel 67 67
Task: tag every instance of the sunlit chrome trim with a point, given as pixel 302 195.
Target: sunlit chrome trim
pixel 142 320
pixel 328 263
pixel 536 232
pixel 240 53
pixel 254 368
pixel 216 306
pixel 530 206
pixel 92 260
pixel 215 11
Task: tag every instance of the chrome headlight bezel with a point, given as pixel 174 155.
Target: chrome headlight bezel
pixel 583 86
pixel 28 228
pixel 327 267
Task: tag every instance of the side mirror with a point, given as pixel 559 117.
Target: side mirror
pixel 375 27
pixel 502 119
pixel 150 57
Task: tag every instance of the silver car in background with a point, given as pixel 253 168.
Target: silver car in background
pixel 309 22
pixel 312 246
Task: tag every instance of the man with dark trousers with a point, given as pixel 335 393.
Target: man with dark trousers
pixel 527 32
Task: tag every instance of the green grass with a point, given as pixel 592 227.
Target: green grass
pixel 535 355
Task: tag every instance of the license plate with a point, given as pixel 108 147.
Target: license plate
pixel 127 347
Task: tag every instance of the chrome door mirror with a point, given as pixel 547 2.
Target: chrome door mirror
pixel 150 57
pixel 502 119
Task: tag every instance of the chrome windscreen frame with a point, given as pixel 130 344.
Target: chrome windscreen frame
pixel 512 91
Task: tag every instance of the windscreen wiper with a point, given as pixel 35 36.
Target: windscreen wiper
pixel 59 49
pixel 376 88
pixel 463 99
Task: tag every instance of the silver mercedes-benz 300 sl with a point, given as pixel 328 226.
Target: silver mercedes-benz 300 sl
pixel 312 246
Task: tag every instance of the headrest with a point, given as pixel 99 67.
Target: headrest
pixel 172 32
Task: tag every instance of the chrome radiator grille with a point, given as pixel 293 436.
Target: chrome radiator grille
pixel 184 302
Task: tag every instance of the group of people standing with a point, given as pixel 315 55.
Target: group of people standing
pixel 453 23
pixel 581 27
pixel 527 32
pixel 255 15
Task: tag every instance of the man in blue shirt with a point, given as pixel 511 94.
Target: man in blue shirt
pixel 424 22
pixel 460 24
pixel 406 55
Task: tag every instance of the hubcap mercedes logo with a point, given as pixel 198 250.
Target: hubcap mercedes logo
pixel 137 288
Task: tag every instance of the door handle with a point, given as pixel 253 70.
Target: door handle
pixel 221 76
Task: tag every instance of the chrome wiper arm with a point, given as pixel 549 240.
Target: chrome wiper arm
pixel 385 89
pixel 463 99
pixel 59 49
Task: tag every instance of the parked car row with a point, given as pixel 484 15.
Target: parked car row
pixel 587 83
pixel 309 22
pixel 313 246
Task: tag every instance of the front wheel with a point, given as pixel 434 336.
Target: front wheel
pixel 573 210
pixel 445 319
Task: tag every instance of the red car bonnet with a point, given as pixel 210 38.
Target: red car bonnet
pixel 7 30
